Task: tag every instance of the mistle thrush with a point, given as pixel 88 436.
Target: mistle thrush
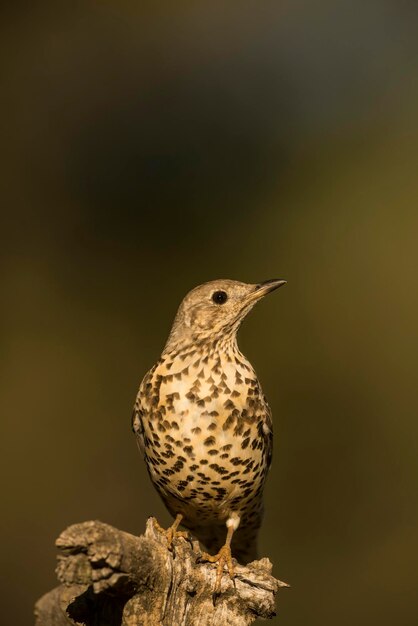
pixel 204 426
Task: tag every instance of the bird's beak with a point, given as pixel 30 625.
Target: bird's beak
pixel 264 288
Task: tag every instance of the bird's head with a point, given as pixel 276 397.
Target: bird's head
pixel 216 309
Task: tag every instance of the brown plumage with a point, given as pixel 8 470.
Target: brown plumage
pixel 204 425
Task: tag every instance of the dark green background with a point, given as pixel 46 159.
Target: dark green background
pixel 148 148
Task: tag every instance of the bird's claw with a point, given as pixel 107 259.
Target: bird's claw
pixel 224 557
pixel 170 533
pixel 175 534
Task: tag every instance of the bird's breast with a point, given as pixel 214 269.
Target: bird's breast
pixel 204 431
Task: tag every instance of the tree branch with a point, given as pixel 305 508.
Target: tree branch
pixel 111 578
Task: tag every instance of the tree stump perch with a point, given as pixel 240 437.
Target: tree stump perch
pixel 112 578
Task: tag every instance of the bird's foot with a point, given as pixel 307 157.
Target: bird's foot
pixel 224 557
pixel 171 533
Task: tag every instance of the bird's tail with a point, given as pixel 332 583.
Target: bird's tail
pixel 244 540
pixel 244 545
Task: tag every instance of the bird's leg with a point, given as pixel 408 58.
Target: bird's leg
pixel 172 533
pixel 224 556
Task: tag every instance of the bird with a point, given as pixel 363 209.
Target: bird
pixel 204 426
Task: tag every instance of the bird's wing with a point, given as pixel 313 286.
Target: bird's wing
pixel 139 411
pixel 137 425
pixel 265 430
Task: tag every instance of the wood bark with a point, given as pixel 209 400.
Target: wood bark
pixel 112 578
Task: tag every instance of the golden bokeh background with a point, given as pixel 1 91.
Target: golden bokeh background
pixel 148 148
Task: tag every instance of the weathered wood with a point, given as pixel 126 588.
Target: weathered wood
pixel 111 578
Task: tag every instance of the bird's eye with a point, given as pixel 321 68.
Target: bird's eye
pixel 219 297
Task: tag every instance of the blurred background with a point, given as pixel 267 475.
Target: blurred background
pixel 148 148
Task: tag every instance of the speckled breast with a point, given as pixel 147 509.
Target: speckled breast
pixel 206 432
